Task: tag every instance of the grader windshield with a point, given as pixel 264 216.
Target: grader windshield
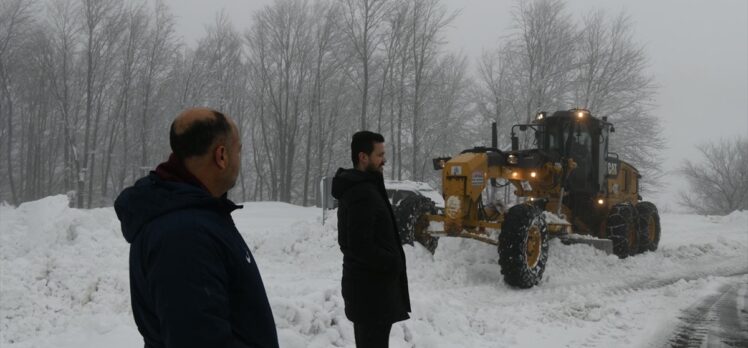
pixel 573 134
pixel 577 135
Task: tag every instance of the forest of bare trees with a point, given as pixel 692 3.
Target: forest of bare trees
pixel 88 89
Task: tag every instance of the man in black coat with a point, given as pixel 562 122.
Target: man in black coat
pixel 375 283
pixel 193 280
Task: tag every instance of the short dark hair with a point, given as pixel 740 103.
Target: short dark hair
pixel 364 141
pixel 197 139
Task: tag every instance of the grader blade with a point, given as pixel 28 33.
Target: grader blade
pixel 605 245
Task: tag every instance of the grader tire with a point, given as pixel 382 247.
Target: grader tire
pixel 523 246
pixel 649 226
pixel 623 229
pixel 412 223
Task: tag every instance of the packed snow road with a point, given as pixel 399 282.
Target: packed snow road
pixel 64 283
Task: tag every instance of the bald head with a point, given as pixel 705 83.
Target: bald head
pixel 196 130
pixel 188 117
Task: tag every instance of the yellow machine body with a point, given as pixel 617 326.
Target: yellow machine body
pixel 466 176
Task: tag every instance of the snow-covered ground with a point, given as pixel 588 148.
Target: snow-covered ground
pixel 64 283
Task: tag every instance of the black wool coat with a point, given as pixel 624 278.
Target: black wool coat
pixel 193 280
pixel 375 282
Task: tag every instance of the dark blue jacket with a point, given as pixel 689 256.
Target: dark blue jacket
pixel 193 280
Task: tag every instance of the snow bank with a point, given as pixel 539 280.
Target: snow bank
pixel 737 218
pixel 64 283
pixel 63 271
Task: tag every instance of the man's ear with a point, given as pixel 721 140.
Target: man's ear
pixel 221 157
pixel 362 157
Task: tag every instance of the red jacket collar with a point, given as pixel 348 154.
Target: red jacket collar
pixel 174 170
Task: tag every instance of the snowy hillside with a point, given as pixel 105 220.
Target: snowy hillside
pixel 64 283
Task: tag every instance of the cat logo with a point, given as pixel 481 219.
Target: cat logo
pixel 612 168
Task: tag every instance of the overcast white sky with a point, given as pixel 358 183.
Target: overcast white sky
pixel 698 53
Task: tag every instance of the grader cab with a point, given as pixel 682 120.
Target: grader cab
pixel 566 185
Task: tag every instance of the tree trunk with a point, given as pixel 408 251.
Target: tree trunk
pixel 308 159
pixel 9 150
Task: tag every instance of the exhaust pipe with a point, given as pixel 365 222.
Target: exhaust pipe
pixel 495 145
pixel 494 136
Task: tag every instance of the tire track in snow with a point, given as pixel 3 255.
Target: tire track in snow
pixel 697 320
pixel 622 286
pixel 660 283
pixel 719 320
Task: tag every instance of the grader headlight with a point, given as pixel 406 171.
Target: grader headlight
pixel 580 113
pixel 512 159
pixel 533 174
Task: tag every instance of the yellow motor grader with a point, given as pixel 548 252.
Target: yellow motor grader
pixel 568 185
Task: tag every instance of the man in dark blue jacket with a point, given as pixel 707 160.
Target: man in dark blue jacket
pixel 193 280
pixel 375 283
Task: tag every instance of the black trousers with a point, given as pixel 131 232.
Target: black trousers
pixel 372 335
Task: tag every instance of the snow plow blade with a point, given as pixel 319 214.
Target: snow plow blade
pixel 605 245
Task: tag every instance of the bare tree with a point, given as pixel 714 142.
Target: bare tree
pixel 548 64
pixel 226 77
pixel 101 19
pixel 160 51
pixel 393 23
pixel 450 116
pixel 362 19
pixel 132 53
pixel 60 66
pixel 544 42
pixel 37 145
pixel 611 81
pixel 719 182
pixel 496 91
pixel 328 64
pixel 280 46
pixel 428 20
pixel 398 61
pixel 15 17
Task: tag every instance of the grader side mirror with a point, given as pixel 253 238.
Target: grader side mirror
pixel 515 142
pixel 612 129
pixel 440 162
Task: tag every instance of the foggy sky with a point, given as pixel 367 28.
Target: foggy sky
pixel 698 54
